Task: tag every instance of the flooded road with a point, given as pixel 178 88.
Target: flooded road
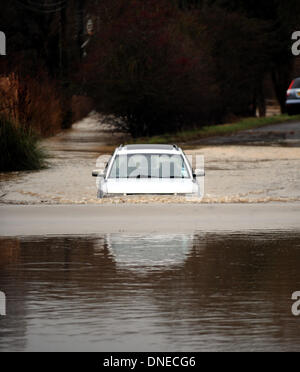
pixel 216 276
pixel 235 173
pixel 150 292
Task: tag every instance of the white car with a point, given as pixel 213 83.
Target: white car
pixel 148 169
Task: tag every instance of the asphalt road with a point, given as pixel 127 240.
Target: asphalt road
pixel 155 218
pixel 285 134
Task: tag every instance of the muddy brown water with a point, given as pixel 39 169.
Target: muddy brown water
pixel 151 292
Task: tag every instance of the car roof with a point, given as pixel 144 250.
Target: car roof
pixel 148 149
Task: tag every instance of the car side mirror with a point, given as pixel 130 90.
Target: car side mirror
pixel 199 173
pixel 98 173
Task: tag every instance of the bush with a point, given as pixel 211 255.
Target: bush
pixel 161 68
pixel 147 69
pixel 18 148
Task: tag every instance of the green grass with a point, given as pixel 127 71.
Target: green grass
pixel 215 130
pixel 19 149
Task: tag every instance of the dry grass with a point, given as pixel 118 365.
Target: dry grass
pixel 32 103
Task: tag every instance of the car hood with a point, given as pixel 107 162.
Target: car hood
pixel 149 186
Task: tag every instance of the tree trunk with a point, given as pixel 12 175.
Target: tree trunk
pixel 261 102
pixel 281 76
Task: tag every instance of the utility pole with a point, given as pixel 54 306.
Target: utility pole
pixel 80 31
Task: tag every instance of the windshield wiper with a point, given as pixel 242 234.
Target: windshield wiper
pixel 143 176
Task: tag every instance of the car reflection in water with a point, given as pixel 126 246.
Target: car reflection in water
pixel 149 252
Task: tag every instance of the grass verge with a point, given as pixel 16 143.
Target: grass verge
pixel 19 149
pixel 215 130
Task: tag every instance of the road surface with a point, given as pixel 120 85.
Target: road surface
pixel 154 218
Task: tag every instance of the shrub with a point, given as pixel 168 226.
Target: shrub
pixel 18 148
pixel 146 69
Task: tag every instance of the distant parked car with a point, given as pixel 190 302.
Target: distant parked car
pixel 293 97
pixel 148 169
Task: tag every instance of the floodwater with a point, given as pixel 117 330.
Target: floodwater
pixel 152 291
pixel 120 292
pixel 253 167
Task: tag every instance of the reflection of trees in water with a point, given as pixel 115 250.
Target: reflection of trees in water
pixel 40 274
pixel 14 291
pixel 68 264
pixel 239 283
pixel 9 251
pixel 218 283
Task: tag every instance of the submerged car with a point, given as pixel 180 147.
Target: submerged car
pixel 148 169
pixel 293 97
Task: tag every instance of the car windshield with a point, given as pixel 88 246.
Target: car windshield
pixel 296 84
pixel 149 166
